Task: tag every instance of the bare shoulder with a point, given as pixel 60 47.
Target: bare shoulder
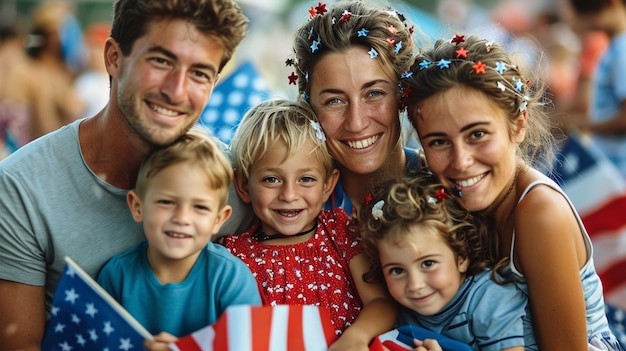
pixel 546 226
pixel 542 201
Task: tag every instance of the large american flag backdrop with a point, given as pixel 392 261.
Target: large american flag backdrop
pixel 598 192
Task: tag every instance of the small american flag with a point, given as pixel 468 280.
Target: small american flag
pixel 401 339
pixel 85 317
pixel 263 328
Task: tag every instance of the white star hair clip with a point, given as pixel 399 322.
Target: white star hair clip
pixel 377 210
pixel 319 133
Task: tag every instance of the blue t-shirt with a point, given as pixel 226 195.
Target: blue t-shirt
pixel 216 281
pixel 483 314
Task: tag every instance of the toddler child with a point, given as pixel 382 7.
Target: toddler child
pixel 178 281
pixel 424 246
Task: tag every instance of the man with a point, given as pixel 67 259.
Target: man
pixel 65 194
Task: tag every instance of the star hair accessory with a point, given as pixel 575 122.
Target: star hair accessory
pixel 489 45
pixel 315 45
pixel 345 16
pixel 396 37
pixel 398 47
pixel 405 91
pixel 320 9
pixel 458 39
pixel 368 198
pixel 439 196
pixel 515 86
pixel 319 133
pixel 293 77
pixel 377 210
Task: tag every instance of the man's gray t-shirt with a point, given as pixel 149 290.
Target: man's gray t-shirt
pixel 52 205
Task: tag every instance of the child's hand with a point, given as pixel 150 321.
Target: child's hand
pixel 426 345
pixel 160 343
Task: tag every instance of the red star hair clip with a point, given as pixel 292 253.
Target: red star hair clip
pixel 462 53
pixel 406 91
pixel 479 67
pixel 438 197
pixel 458 39
pixel 320 9
pixel 441 195
pixel 293 77
pixel 345 16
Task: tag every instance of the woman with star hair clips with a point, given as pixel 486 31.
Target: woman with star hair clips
pixel 427 250
pixel 485 133
pixel 298 252
pixel 348 63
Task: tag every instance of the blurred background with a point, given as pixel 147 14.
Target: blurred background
pixel 51 72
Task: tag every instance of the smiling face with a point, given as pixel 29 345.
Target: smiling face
pixel 468 142
pixel 180 212
pixel 287 194
pixel 357 105
pixel 163 85
pixel 421 270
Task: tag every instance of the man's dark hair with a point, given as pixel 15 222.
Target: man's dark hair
pixel 222 19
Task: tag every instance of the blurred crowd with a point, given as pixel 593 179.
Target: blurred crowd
pixel 51 65
pixel 51 73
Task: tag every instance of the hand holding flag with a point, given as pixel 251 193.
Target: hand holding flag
pixel 401 339
pixel 85 317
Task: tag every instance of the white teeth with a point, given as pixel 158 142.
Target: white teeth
pixel 469 182
pixel 163 111
pixel 360 144
pixel 288 213
pixel 177 235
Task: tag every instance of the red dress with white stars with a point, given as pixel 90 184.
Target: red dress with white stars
pixel 314 272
